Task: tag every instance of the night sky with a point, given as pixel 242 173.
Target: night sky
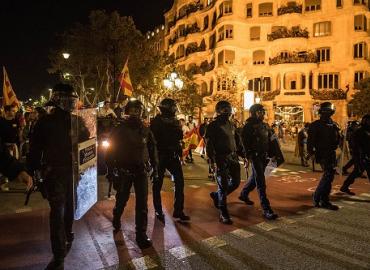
pixel 29 28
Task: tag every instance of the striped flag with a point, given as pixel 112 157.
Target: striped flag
pixel 9 95
pixel 125 81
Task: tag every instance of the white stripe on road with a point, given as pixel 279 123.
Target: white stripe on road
pixel 359 198
pixel 322 211
pixel 365 194
pixel 240 233
pixel 181 252
pixel 214 242
pixel 194 186
pixel 23 209
pixel 143 263
pixel 210 184
pixel 266 226
pixel 286 220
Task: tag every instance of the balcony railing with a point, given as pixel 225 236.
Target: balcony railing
pixel 268 96
pixel 295 32
pixel 335 94
pixel 191 8
pixel 193 47
pixel 295 57
pixel 289 9
pixel 190 29
pixel 204 67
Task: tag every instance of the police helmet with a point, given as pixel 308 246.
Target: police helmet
pixel 224 107
pixel 64 97
pixel 168 107
pixel 134 108
pixel 256 108
pixel 327 108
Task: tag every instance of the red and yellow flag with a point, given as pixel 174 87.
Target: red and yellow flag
pixel 125 81
pixel 9 95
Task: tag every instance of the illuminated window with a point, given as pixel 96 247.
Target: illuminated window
pixel 265 10
pixel 360 23
pixel 339 3
pixel 259 57
pixel 322 29
pixel 249 10
pixel 360 50
pixel 359 76
pixel 180 52
pixel 328 81
pixel 323 54
pixel 312 5
pixel 255 33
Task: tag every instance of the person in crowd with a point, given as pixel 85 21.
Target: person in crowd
pixel 360 153
pixel 351 128
pixel 302 144
pixel 130 161
pixel 202 132
pixel 281 132
pixel 10 130
pixel 322 141
pixel 257 137
pixel 50 155
pixel 168 134
pixel 222 144
pixel 119 108
pixel 191 126
pixel 106 111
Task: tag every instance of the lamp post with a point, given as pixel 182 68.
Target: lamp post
pixel 173 82
pixel 66 55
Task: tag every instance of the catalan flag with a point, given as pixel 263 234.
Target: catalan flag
pixel 125 81
pixel 9 95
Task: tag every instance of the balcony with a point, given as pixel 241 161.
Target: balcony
pixel 289 9
pixel 189 9
pixel 295 57
pixel 295 32
pixel 190 29
pixel 268 96
pixel 327 94
pixel 204 67
pixel 193 48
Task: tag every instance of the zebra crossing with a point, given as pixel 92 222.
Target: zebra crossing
pixel 312 239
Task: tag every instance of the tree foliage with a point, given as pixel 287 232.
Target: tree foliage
pixel 361 99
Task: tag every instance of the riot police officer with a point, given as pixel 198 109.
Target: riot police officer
pixel 130 159
pixel 323 139
pixel 360 154
pixel 257 137
pixel 168 134
pixel 223 144
pixel 352 127
pixel 50 152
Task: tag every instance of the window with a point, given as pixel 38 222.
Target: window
pixel 322 29
pixel 249 10
pixel 212 41
pixel 312 5
pixel 339 3
pixel 221 33
pixel 284 54
pixel 359 76
pixel 255 33
pixel 265 9
pixel 209 2
pixel 323 54
pixel 229 57
pixel 259 57
pixel 228 31
pixel 205 22
pixel 225 8
pixel 328 81
pixel 360 23
pixel 180 52
pixel 182 12
pixel 293 85
pixel 360 50
pixel 221 58
pixel 226 83
pixel 359 2
pixel 260 84
pixel 182 30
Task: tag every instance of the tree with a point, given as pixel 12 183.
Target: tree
pixel 361 99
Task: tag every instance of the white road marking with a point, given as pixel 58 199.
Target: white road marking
pixel 181 252
pixel 365 194
pixel 322 211
pixel 194 186
pixel 240 233
pixel 286 220
pixel 214 242
pixel 266 226
pixel 23 210
pixel 359 198
pixel 143 263
pixel 210 184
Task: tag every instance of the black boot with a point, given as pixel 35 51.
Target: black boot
pixel 225 217
pixel 269 214
pixel 181 217
pixel 328 205
pixel 316 203
pixel 55 264
pixel 246 200
pixel 214 197
pixel 160 216
pixel 347 191
pixel 143 241
pixel 69 239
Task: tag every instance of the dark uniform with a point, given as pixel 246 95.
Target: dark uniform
pixel 133 154
pixel 51 153
pixel 257 137
pixel 360 154
pixel 223 143
pixel 302 145
pixel 9 166
pixel 323 139
pixel 168 134
pixel 352 127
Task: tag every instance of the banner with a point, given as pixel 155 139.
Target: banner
pixel 9 95
pixel 125 81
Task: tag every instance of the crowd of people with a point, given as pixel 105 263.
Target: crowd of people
pixel 145 150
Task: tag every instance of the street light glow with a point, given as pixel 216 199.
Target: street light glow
pixel 173 76
pixel 179 83
pixel 167 83
pixel 66 55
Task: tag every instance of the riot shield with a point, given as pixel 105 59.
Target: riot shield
pixel 85 178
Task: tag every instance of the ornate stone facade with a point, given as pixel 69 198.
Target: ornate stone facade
pixel 290 53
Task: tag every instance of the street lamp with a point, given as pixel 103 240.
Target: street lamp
pixel 173 82
pixel 66 55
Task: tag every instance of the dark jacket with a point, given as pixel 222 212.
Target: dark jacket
pixel 323 138
pixel 202 129
pixel 222 139
pixel 9 166
pixel 302 137
pixel 51 141
pixel 168 134
pixel 9 130
pixel 132 146
pixel 361 143
pixel 256 136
